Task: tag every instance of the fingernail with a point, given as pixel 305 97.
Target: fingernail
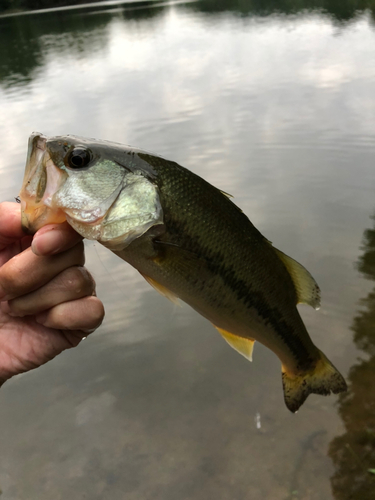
pixel 47 243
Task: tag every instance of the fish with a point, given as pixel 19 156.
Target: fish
pixel 188 240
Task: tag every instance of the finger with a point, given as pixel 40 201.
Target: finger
pixel 74 337
pixel 54 238
pixel 10 224
pixel 26 272
pixel 71 284
pixel 84 314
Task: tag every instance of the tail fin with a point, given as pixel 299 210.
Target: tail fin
pixel 323 379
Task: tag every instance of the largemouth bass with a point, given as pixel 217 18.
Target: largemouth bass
pixel 188 240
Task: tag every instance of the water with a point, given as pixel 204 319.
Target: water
pixel 274 107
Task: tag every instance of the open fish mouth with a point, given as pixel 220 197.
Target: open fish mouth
pixel 40 181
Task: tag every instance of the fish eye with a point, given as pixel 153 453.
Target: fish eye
pixel 78 158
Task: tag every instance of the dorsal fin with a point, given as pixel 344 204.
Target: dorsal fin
pixel 308 291
pixel 240 344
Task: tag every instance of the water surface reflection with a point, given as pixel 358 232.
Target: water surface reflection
pixel 275 107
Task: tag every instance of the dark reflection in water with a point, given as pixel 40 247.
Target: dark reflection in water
pixel 341 10
pixel 25 40
pixel 353 453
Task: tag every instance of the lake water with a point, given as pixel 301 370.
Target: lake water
pixel 276 108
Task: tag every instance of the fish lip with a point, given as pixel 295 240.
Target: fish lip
pixel 26 229
pixel 42 140
pixel 37 141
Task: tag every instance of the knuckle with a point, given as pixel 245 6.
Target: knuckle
pixel 77 279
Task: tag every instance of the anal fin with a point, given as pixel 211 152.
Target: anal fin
pixel 240 344
pixel 162 290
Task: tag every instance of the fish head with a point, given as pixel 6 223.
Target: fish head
pixel 104 190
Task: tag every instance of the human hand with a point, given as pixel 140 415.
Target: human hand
pixel 47 297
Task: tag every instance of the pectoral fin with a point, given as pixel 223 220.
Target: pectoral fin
pixel 162 290
pixel 308 292
pixel 240 344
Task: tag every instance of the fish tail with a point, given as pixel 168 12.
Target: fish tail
pixel 323 379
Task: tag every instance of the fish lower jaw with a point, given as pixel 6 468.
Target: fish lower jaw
pixel 34 219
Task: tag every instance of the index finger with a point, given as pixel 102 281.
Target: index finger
pixel 10 224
